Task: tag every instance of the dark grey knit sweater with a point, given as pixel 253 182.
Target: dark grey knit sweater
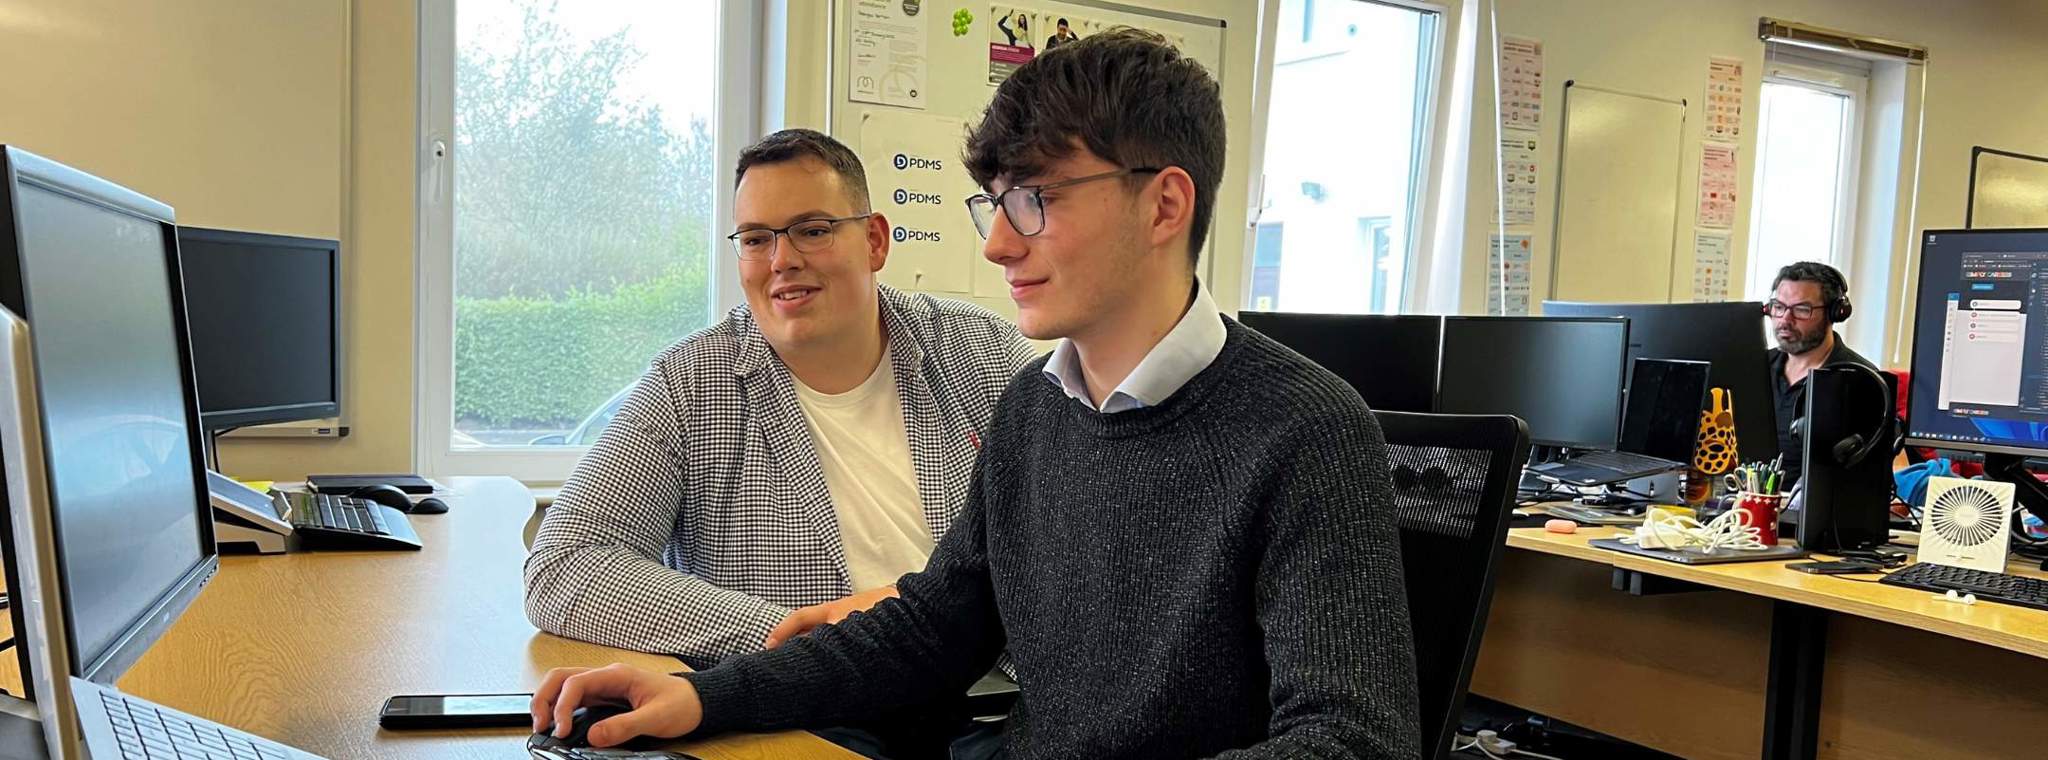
pixel 1219 572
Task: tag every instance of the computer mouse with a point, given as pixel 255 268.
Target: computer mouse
pixel 579 728
pixel 429 506
pixel 388 496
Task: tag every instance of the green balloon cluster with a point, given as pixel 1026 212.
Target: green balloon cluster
pixel 962 20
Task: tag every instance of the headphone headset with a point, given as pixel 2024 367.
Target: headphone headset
pixel 1837 310
pixel 1856 448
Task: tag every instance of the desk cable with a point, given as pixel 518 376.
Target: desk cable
pixel 1493 746
pixel 1668 530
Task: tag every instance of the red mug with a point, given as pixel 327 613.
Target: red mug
pixel 1761 510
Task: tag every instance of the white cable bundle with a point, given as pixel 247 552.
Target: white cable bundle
pixel 1668 530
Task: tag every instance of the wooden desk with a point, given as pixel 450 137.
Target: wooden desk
pixel 304 648
pixel 1688 673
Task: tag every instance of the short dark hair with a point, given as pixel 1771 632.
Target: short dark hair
pixel 792 144
pixel 1833 287
pixel 1128 95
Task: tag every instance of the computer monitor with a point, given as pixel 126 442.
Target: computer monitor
pixel 1728 335
pixel 1391 360
pixel 1980 351
pixel 1562 376
pixel 109 526
pixel 1661 417
pixel 266 325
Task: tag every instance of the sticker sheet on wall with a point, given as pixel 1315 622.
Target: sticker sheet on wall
pixel 1011 41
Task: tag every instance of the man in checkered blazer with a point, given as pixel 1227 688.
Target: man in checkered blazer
pixel 808 449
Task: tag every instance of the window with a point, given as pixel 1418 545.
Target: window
pixel 567 208
pixel 1344 174
pixel 1808 141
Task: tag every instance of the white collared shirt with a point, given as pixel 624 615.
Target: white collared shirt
pixel 1185 351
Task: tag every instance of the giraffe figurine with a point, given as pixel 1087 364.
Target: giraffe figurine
pixel 1715 452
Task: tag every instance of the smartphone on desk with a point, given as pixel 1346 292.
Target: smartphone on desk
pixel 457 711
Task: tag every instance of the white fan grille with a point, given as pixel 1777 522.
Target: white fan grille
pixel 1966 516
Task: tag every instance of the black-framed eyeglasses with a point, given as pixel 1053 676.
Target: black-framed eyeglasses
pixel 1025 207
pixel 1802 311
pixel 809 236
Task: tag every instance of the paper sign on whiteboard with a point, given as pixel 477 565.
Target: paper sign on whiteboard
pixel 888 53
pixel 1717 186
pixel 1724 98
pixel 1507 264
pixel 915 180
pixel 1521 82
pixel 1710 262
pixel 1518 177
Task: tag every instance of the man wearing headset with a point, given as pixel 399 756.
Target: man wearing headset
pixel 1807 300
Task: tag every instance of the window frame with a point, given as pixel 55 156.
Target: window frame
pixel 737 116
pixel 1821 77
pixel 1429 87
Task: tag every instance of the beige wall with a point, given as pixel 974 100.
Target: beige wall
pixel 377 276
pixel 1980 53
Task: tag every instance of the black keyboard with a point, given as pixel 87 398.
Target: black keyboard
pixel 1995 587
pixel 331 512
pixel 146 732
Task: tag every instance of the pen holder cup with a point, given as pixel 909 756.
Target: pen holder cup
pixel 1761 510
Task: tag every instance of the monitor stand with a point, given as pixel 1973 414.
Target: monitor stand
pixel 2028 490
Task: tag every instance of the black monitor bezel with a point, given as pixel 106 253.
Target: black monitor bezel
pixel 226 419
pixel 1913 358
pixel 1620 365
pixel 19 167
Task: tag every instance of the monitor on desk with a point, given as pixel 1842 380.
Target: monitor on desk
pixel 266 327
pixel 1728 335
pixel 108 523
pixel 1562 376
pixel 1390 359
pixel 1980 351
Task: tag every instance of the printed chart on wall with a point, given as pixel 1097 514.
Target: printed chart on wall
pixel 1521 83
pixel 917 74
pixel 1518 177
pixel 1724 99
pixel 1717 186
pixel 1507 265
pixel 1710 257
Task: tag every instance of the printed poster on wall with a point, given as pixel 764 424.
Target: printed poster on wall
pixel 914 176
pixel 1518 177
pixel 1521 82
pixel 888 53
pixel 1724 99
pixel 1710 262
pixel 1507 264
pixel 1010 40
pixel 1717 186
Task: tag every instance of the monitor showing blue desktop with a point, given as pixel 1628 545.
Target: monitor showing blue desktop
pixel 1980 350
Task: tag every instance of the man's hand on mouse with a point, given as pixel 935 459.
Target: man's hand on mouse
pixel 664 706
pixel 804 620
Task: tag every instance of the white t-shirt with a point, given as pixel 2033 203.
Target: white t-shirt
pixel 866 457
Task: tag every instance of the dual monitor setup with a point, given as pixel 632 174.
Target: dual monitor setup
pixel 127 341
pixel 1614 387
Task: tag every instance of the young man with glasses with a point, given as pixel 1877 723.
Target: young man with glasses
pixel 1182 532
pixel 1807 300
pixel 807 450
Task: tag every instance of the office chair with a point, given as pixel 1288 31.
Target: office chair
pixel 1454 480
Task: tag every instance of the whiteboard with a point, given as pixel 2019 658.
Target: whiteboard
pixel 912 154
pixel 2007 189
pixel 1618 190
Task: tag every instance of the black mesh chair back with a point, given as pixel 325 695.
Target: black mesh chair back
pixel 1454 480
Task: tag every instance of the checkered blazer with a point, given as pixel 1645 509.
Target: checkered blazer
pixel 701 518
